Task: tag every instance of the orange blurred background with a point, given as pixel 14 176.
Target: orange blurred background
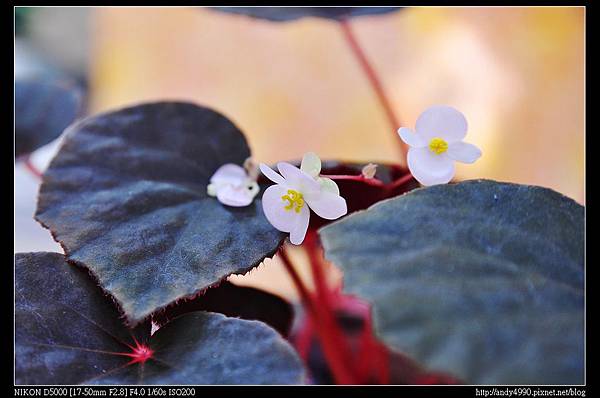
pixel 516 73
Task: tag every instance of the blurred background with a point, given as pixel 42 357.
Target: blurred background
pixel 516 73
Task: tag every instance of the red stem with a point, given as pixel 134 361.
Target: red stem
pixel 323 291
pixel 330 336
pixel 302 290
pixel 369 181
pixel 374 79
pixel 373 181
pixel 372 356
pixel 399 182
pixel 325 307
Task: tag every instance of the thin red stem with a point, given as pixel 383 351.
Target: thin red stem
pixel 323 291
pixel 399 182
pixel 302 290
pixel 326 310
pixel 371 360
pixel 369 181
pixel 374 355
pixel 374 79
pixel 373 181
pixel 329 335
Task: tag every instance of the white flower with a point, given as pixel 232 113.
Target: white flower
pixel 311 165
pixel 286 204
pixel 437 144
pixel 232 186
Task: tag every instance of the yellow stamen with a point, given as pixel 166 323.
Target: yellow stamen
pixel 294 198
pixel 438 145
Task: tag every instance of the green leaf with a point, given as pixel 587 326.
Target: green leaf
pixel 126 197
pixel 480 279
pixel 67 331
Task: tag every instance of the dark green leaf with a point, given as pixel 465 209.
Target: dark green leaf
pixel 67 331
pixel 480 279
pixel 282 14
pixel 126 197
pixel 42 111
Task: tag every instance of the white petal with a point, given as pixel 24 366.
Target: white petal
pixel 311 164
pixel 235 196
pixel 443 122
pixel 327 204
pixel 429 168
pixel 299 229
pixel 211 190
pixel 411 138
pixel 464 152
pixel 328 184
pixel 297 179
pixel 274 208
pixel 253 188
pixel 271 174
pixel 229 173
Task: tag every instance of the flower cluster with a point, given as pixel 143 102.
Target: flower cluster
pixel 434 146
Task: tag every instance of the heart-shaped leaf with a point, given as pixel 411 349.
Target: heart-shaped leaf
pixel 67 331
pixel 126 197
pixel 42 111
pixel 481 279
pixel 235 301
pixel 282 14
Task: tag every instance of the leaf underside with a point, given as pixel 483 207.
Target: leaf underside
pixel 480 279
pixel 67 331
pixel 126 197
pixel 235 301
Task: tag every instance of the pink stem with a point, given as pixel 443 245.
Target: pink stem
pixel 374 79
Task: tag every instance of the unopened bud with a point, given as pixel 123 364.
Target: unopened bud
pixel 251 169
pixel 369 170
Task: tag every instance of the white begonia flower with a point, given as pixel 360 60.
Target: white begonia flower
pixel 232 186
pixel 311 165
pixel 437 144
pixel 286 204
